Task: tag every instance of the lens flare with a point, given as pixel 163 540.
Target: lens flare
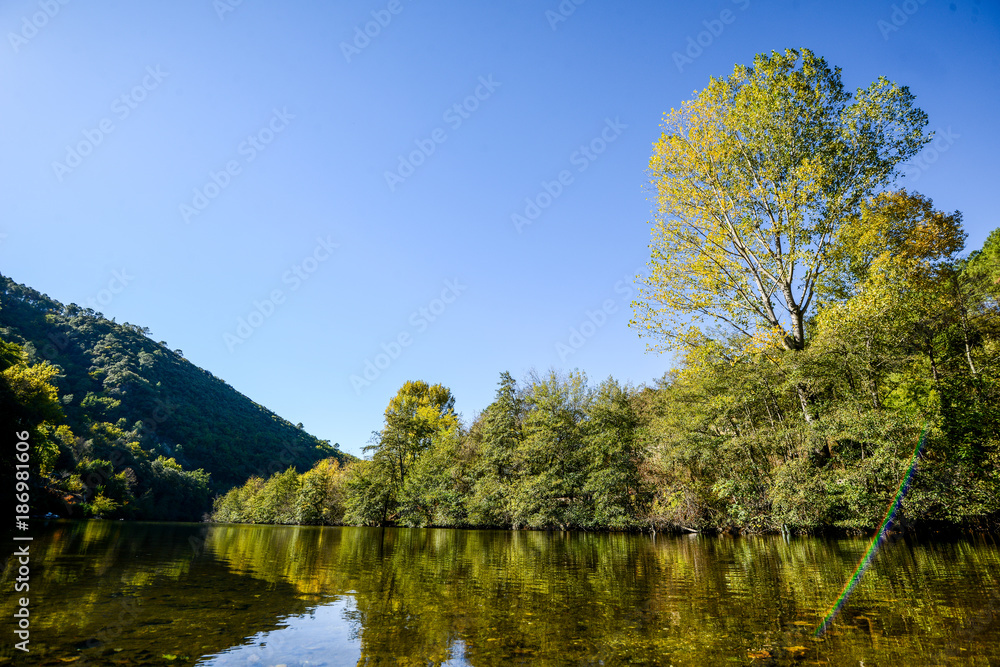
pixel 866 560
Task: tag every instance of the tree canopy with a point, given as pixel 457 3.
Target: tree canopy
pixel 752 179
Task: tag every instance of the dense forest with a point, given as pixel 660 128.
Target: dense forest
pixel 828 330
pixel 123 426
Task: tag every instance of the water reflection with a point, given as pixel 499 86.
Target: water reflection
pixel 321 637
pixel 224 595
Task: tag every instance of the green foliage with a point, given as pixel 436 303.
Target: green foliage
pixel 316 497
pixel 435 492
pixel 613 458
pixel 369 493
pixel 100 507
pixel 910 344
pixel 29 405
pixel 494 439
pixel 322 495
pixel 822 321
pixel 277 501
pixel 758 440
pixel 236 505
pixel 752 181
pixel 551 458
pixel 419 418
pixel 983 266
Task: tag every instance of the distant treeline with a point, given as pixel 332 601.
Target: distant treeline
pixel 754 440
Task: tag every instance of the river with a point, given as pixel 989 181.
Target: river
pixel 107 593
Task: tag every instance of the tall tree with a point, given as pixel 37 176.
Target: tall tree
pixel 415 415
pixel 752 179
pixel 613 455
pixel 550 459
pixel 499 437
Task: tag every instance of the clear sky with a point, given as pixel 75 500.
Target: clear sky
pixel 178 164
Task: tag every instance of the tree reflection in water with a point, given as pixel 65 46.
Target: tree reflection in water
pixel 133 593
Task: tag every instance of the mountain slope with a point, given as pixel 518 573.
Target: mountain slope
pixel 128 400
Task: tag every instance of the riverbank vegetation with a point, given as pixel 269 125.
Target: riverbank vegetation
pixel 725 442
pixel 821 319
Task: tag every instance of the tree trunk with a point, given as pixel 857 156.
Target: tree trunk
pixel 965 323
pixel 804 398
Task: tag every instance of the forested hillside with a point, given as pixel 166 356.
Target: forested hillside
pixel 124 426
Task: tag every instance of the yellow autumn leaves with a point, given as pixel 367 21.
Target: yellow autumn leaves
pixel 751 181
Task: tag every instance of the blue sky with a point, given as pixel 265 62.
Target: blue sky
pixel 178 165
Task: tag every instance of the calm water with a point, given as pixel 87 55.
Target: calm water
pixel 107 593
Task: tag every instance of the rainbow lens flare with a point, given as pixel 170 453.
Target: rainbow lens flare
pixel 866 560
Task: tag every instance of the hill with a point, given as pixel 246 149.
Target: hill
pixel 126 422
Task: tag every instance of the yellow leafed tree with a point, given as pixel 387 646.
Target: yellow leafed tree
pixel 752 180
